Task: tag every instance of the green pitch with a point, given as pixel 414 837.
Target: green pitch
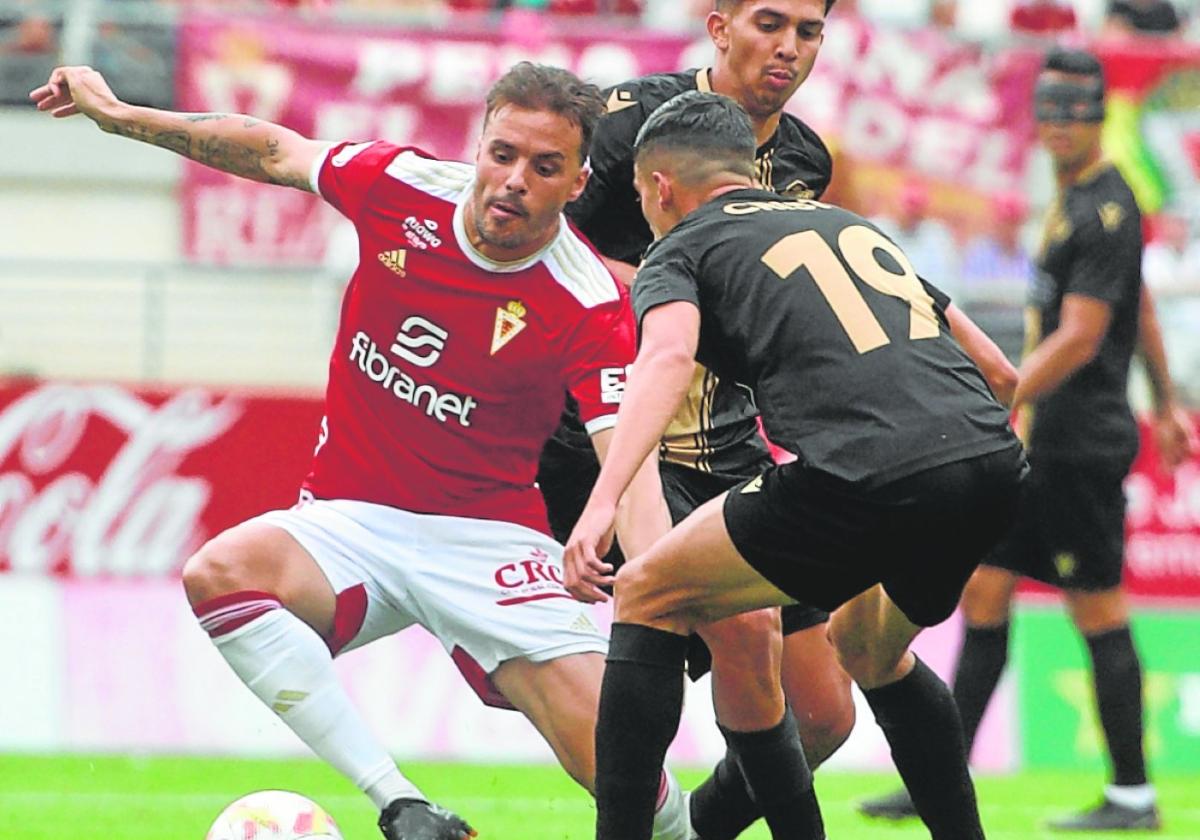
pixel 56 798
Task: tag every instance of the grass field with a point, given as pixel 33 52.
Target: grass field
pixel 106 798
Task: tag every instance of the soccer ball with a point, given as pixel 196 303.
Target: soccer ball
pixel 273 815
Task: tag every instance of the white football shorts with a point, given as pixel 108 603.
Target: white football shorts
pixel 492 589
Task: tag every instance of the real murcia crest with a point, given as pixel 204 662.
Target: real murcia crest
pixel 508 324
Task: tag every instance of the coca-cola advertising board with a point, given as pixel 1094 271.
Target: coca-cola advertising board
pixel 109 480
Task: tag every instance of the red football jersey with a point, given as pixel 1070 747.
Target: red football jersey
pixel 450 370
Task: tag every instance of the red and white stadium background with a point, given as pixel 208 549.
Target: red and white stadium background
pixel 905 101
pixel 105 490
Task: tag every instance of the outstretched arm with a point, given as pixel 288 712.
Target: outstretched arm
pixel 239 145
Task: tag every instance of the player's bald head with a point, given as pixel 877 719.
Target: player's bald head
pixel 697 136
pixel 732 5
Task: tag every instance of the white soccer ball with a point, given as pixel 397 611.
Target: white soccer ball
pixel 273 815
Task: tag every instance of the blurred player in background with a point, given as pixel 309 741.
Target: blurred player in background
pixel 1088 311
pixel 765 49
pixel 907 473
pixel 472 309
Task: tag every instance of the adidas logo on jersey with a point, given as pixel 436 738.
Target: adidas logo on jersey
pixel 395 260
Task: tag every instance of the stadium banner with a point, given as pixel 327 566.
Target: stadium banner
pixel 105 480
pixel 415 87
pixel 905 101
pixel 1058 719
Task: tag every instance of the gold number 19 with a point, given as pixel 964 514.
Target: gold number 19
pixel 807 249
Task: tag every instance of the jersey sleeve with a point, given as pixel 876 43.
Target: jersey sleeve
pixel 344 175
pixel 668 275
pixel 1106 239
pixel 601 350
pixel 940 299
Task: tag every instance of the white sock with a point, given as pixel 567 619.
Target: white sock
pixel 1139 797
pixel 671 819
pixel 287 666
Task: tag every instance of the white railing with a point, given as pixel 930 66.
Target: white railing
pixel 264 327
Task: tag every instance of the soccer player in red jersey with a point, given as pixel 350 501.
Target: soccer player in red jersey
pixel 473 309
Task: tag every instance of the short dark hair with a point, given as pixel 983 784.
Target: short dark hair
pixel 726 5
pixel 709 127
pixel 1074 62
pixel 540 87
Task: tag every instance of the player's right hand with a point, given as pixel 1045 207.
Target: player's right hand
pixel 75 90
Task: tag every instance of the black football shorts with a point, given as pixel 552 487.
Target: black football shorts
pixel 823 540
pixel 1070 529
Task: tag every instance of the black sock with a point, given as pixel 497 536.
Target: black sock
pixel 980 664
pixel 721 808
pixel 773 764
pixel 1117 675
pixel 640 702
pixel 918 716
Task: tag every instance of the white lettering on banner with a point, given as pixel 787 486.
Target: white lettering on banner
pixel 398 123
pixel 386 64
pixel 261 88
pixel 448 84
pixel 237 222
pixel 139 516
pixel 1176 507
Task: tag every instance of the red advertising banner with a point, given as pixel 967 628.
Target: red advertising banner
pixel 921 101
pixel 108 480
pixel 419 87
pixel 1162 525
pixel 906 100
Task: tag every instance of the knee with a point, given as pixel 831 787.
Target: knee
pixel 818 690
pixel 825 719
pixel 643 597
pixel 745 648
pixel 212 571
pixel 865 661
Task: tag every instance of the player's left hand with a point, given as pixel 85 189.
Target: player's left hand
pixel 584 569
pixel 1175 436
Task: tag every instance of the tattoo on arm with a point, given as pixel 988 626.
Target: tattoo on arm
pixel 245 158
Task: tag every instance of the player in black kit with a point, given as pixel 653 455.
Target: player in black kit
pixel 907 474
pixel 764 51
pixel 1086 312
pixel 1086 309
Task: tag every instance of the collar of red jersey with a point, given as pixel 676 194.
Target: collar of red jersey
pixel 484 262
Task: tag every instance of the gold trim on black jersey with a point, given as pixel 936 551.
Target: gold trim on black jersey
pixel 688 439
pixel 702 83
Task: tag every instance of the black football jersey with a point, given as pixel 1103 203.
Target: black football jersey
pixel 820 317
pixel 1092 245
pixel 793 162
pixel 716 431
